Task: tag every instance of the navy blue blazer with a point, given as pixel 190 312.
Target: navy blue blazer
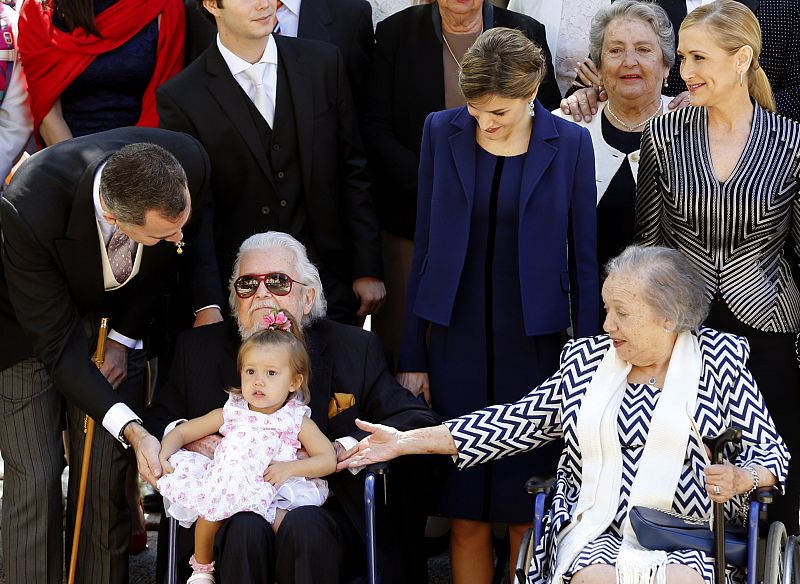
pixel 557 228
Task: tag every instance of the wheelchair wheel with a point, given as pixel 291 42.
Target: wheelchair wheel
pixel 773 559
pixel 791 561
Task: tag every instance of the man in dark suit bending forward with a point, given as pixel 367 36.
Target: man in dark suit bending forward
pixel 91 227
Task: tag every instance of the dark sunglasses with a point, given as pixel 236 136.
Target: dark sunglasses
pixel 276 283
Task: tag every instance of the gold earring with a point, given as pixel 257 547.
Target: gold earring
pixel 741 78
pixel 665 82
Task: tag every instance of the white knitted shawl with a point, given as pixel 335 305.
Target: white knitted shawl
pixel 659 469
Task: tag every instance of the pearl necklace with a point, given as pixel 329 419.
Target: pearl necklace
pixel 635 126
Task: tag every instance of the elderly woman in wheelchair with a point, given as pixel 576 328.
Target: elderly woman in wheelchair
pixel 633 407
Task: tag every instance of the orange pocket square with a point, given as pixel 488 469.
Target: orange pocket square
pixel 339 403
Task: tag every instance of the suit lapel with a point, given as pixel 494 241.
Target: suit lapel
pixel 321 378
pixel 542 148
pixel 79 251
pixel 315 18
pixel 301 89
pixel 228 94
pixel 462 149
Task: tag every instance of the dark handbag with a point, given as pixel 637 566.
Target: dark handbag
pixel 659 530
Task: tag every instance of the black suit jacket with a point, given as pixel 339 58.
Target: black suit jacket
pixel 407 84
pixel 344 359
pixel 779 49
pixel 52 276
pixel 348 25
pixel 205 101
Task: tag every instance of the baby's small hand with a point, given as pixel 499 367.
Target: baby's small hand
pixel 277 473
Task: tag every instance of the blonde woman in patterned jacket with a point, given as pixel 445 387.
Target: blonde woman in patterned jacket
pixel 719 181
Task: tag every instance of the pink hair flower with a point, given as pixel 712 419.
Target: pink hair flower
pixel 278 321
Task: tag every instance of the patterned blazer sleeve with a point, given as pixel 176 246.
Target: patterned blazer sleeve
pixel 649 198
pixel 795 228
pixel 746 409
pixel 508 429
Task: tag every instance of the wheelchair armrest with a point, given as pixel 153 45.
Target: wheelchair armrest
pixel 537 484
pixel 379 468
pixel 766 495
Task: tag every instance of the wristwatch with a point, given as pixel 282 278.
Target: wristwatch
pixel 121 436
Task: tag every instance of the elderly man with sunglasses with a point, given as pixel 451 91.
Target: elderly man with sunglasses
pixel 349 379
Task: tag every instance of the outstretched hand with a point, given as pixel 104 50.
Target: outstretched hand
pixel 382 444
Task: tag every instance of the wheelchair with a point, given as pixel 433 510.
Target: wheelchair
pixel 772 557
pixel 373 472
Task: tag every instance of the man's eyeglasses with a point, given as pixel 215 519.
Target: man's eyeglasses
pixel 277 283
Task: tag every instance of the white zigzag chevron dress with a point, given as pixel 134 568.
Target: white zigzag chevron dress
pixel 727 396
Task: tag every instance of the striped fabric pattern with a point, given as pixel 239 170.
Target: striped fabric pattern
pixel 734 231
pixel 727 396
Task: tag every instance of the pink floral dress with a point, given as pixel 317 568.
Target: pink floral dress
pixel 233 481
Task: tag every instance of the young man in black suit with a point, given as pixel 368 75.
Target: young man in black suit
pixel 313 545
pixel 347 24
pixel 276 117
pixel 90 229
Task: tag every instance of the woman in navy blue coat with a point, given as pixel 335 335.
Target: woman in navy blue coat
pixel 504 262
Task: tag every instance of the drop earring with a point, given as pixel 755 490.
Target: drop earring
pixel 741 78
pixel 665 82
pixel 531 111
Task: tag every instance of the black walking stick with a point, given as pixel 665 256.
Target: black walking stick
pixel 717 446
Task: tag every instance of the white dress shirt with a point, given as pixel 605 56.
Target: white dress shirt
pixel 237 66
pixel 289 17
pixel 119 415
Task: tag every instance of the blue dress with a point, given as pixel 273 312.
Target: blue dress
pixel 108 93
pixel 484 356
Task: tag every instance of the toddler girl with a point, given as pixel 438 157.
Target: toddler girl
pixel 255 466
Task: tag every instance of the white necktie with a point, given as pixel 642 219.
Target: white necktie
pixel 262 101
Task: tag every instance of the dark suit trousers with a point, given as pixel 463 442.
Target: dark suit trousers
pixel 30 438
pixel 320 545
pixel 309 548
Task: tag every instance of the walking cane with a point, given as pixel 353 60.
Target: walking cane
pixel 717 446
pixel 88 429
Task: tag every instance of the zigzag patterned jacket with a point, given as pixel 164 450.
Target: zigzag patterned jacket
pixel 727 396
